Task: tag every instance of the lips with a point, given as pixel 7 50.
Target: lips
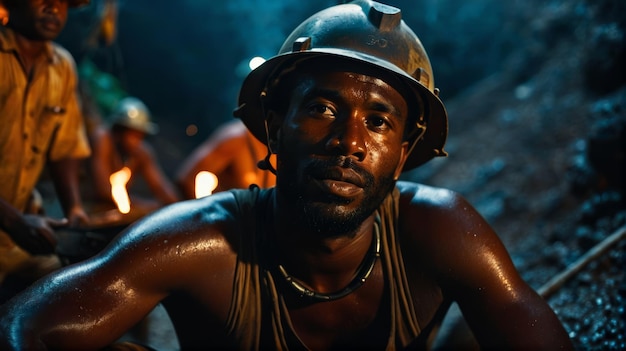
pixel 342 182
pixel 339 188
pixel 51 23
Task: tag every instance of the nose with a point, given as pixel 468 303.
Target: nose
pixel 348 139
pixel 52 6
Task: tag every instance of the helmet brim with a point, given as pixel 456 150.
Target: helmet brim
pixel 252 112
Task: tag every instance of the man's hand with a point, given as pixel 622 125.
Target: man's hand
pixel 36 233
pixel 77 217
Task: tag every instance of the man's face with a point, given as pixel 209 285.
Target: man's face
pixel 340 149
pixel 131 139
pixel 38 19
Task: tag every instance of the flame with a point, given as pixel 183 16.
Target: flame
pixel 206 182
pixel 118 189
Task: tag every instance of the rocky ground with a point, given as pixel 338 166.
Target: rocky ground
pixel 530 187
pixel 541 155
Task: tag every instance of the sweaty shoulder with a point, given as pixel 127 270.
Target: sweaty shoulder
pixel 442 227
pixel 427 211
pixel 415 194
pixel 439 211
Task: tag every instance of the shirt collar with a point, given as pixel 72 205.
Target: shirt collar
pixel 7 44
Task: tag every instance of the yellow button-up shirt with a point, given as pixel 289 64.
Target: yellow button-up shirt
pixel 40 119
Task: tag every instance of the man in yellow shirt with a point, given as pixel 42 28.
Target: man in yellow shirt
pixel 40 126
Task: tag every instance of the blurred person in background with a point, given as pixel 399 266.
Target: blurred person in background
pixel 121 145
pixel 232 154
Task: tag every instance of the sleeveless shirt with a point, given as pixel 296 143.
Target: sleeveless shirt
pixel 258 317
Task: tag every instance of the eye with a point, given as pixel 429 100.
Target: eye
pixel 378 123
pixel 319 109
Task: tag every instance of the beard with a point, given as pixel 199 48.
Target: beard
pixel 326 214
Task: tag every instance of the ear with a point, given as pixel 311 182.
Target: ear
pixel 404 154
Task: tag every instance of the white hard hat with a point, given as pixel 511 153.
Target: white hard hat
pixel 130 112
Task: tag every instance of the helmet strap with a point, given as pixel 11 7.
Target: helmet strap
pixel 265 164
pixel 420 130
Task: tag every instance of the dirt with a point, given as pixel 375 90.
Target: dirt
pixel 542 159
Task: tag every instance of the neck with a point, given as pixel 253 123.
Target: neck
pixel 29 50
pixel 306 242
pixel 359 277
pixel 291 230
pixel 323 264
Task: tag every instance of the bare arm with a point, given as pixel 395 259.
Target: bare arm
pixel 89 305
pixel 65 176
pixel 215 154
pixel 70 311
pixel 159 183
pixel 101 163
pixel 475 269
pixel 68 146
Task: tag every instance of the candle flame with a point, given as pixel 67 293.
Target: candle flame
pixel 118 189
pixel 206 182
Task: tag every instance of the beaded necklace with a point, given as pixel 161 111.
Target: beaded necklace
pixel 365 269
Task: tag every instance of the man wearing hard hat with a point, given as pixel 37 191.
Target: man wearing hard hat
pixel 123 144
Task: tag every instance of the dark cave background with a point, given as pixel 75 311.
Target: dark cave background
pixel 536 97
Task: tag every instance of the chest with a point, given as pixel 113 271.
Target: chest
pixel 369 317
pixel 360 319
pixel 43 87
pixel 31 106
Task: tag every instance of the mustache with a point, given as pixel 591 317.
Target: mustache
pixel 51 18
pixel 323 168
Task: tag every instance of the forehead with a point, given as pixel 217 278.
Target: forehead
pixel 347 77
pixel 347 85
pixel 293 74
pixel 324 66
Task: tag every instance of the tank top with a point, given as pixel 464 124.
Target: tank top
pixel 258 317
